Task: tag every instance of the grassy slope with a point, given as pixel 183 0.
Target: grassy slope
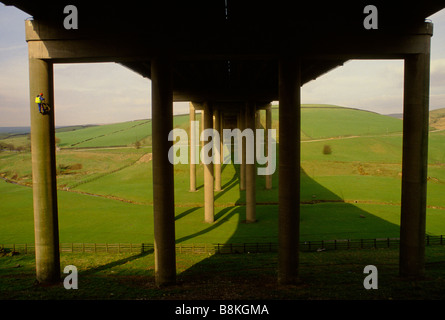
pixel 332 121
pixel 364 169
pixel 437 118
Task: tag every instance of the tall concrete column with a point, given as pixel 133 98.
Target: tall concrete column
pixel 251 167
pixel 242 126
pixel 258 119
pixel 46 229
pixel 268 126
pixel 163 180
pixel 202 125
pixel 217 158
pixel 289 169
pixel 193 147
pixel 221 128
pixel 208 172
pixel 414 163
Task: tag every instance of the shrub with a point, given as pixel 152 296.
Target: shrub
pixel 327 149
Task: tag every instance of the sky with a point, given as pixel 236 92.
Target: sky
pixel 107 92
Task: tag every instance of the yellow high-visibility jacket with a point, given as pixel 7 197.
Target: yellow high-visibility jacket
pixel 38 99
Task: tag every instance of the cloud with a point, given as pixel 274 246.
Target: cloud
pixel 14 87
pixel 369 84
pixel 99 93
pixel 437 74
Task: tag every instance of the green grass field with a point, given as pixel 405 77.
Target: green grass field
pixel 106 193
pixel 335 275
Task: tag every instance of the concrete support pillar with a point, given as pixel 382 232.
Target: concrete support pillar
pixel 251 167
pixel 46 229
pixel 289 169
pixel 163 180
pixel 202 126
pixel 414 163
pixel 221 128
pixel 217 158
pixel 193 147
pixel 208 172
pixel 242 126
pixel 268 126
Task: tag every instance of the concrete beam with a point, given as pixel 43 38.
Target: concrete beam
pixel 47 41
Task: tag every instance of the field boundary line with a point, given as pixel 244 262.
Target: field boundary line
pixel 222 248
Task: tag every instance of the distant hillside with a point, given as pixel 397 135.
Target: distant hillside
pixel 7 132
pixel 437 119
pixel 318 122
pixel 328 121
pixel 395 115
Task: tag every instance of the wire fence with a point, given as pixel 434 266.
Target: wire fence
pixel 223 248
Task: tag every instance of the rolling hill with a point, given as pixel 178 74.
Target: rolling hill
pixel 437 119
pixel 106 193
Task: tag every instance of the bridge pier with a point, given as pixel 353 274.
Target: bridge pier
pixel 250 170
pixel 414 163
pixel 163 179
pixel 242 126
pixel 209 216
pixel 289 169
pixel 217 157
pixel 268 126
pixel 192 146
pixel 43 149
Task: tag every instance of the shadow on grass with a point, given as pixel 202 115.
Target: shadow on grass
pixel 324 215
pixel 117 263
pixel 185 213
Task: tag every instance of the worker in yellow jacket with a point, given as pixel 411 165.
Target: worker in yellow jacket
pixel 39 100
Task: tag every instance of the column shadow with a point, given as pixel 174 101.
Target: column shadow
pixel 327 218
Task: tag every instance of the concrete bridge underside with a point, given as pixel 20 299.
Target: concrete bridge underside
pixel 229 57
